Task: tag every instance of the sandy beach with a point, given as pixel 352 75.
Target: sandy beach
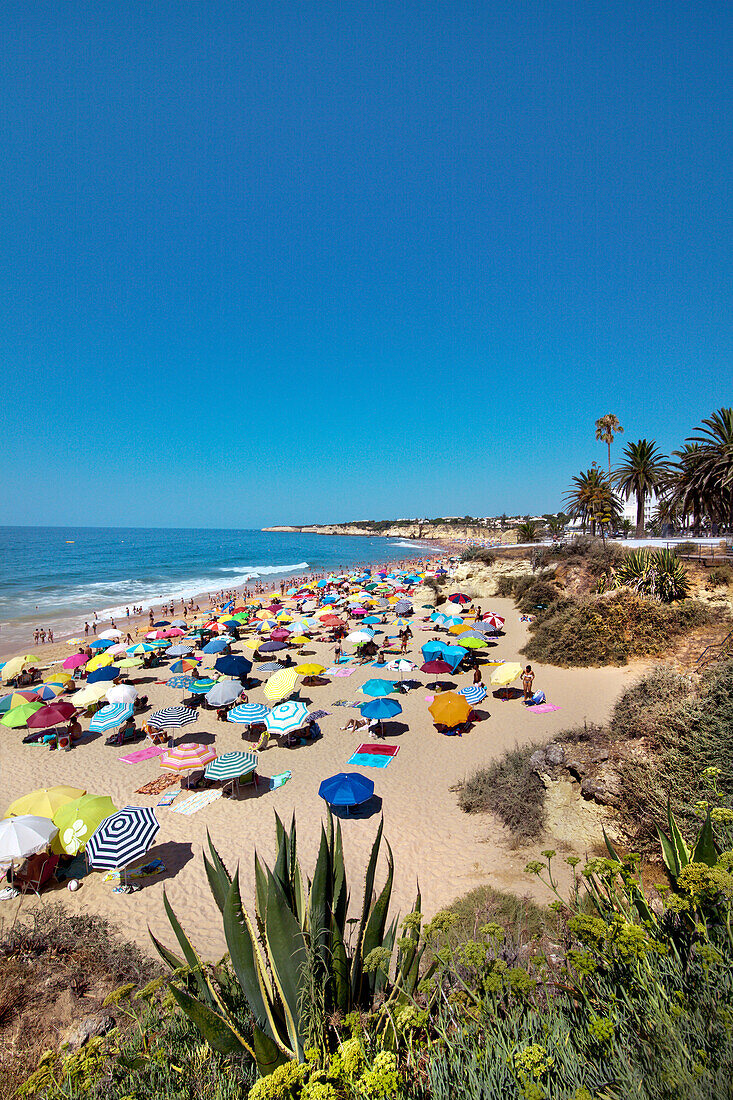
pixel 434 843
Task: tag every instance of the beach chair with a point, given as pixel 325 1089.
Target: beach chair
pixel 39 870
pixel 122 736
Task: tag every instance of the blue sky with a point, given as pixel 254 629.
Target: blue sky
pixel 289 262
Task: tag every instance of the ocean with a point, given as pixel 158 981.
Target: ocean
pixel 59 576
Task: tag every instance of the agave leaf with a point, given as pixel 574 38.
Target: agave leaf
pixel 356 966
pixel 320 902
pixel 669 853
pixel 268 1055
pixel 611 850
pixel 279 830
pixel 260 892
pixel 300 896
pixel 167 956
pixel 189 954
pixel 218 1032
pixel 288 958
pixel 340 886
pixel 217 874
pixel 249 966
pixel 705 850
pixel 339 967
pixel 681 849
pixel 374 932
pixel 281 870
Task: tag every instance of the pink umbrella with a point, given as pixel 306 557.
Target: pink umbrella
pixel 76 660
pixel 279 635
pixel 188 755
pixel 174 632
pixel 116 650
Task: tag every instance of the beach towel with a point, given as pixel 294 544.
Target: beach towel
pixel 158 785
pixel 143 754
pixel 543 708
pixel 169 797
pixel 373 756
pixel 278 780
pixel 429 698
pixel 154 867
pixel 196 802
pixel 319 713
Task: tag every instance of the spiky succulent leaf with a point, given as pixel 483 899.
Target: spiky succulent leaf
pixel 220 1033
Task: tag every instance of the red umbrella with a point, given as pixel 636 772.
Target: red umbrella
pixel 459 597
pixel 493 620
pixel 280 635
pixel 75 660
pixel 437 668
pixel 55 714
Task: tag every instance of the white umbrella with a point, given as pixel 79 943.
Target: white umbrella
pixel 116 634
pixel 23 836
pixel 122 693
pixel 91 693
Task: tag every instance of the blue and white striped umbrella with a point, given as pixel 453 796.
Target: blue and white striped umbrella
pixel 247 713
pixel 474 693
pixel 110 717
pixel 203 684
pixel 216 645
pixel 287 716
pixel 231 765
pixel 224 693
pixel 122 838
pixel 172 717
pixel 180 650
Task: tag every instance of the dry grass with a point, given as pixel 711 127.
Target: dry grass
pixel 55 968
pixel 509 789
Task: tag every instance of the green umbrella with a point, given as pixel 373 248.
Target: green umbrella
pixel 77 820
pixel 17 717
pixel 130 662
pixel 472 643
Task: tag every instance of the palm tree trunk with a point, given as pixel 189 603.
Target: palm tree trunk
pixel 609 462
pixel 640 515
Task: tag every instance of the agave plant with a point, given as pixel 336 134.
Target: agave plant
pixel 295 962
pixel 656 573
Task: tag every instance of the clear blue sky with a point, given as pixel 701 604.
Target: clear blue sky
pixel 269 262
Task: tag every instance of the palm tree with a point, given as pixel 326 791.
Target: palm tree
pixel 591 496
pixel 683 495
pixel 642 473
pixel 714 463
pixel 606 427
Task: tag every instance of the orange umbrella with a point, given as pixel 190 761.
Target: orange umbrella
pixel 449 709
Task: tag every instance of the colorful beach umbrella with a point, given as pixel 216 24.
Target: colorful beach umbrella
pixel 52 714
pixel 503 675
pixel 280 684
pixel 15 665
pixel 450 709
pixel 172 717
pixel 78 818
pixel 109 718
pixel 44 802
pixel 224 693
pixel 286 717
pixel 474 693
pixel 91 693
pixel 377 687
pixel 122 838
pixel 247 714
pixel 189 755
pixel 380 709
pixel 76 660
pixel 122 693
pixel 346 789
pixel 231 765
pixel 23 836
pixel 16 718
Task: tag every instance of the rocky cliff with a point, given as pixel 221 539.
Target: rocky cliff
pixel 438 531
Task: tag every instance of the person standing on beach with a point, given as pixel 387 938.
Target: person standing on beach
pixel 86 629
pixel 527 682
pixel 35 636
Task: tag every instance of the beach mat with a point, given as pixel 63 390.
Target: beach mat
pixel 169 797
pixel 196 802
pixel 373 756
pixel 158 785
pixel 543 708
pixel 143 754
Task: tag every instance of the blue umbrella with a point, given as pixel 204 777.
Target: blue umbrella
pixel 247 713
pixel 346 789
pixel 101 643
pixel 162 622
pixel 100 674
pixel 180 624
pixel 474 693
pixel 380 708
pixel 377 687
pixel 271 647
pixel 216 645
pixel 204 684
pixel 234 666
pixel 110 717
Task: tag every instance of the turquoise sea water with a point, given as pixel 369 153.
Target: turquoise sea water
pixel 59 576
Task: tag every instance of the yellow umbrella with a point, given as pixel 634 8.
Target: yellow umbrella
pixel 300 640
pixel 264 614
pixel 59 678
pixel 16 665
pixel 504 674
pixel 280 684
pixel 101 661
pixel 253 645
pixel 92 693
pixel 44 802
pixel 310 670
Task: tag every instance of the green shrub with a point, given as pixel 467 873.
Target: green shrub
pixel 649 705
pixel 509 789
pixel 478 553
pixel 658 574
pixel 687 548
pixel 505 585
pixel 610 629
